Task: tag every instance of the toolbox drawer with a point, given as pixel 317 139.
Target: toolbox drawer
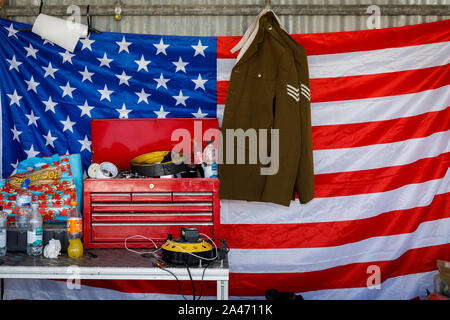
pixel 192 196
pixel 151 196
pixel 113 232
pixel 111 197
pixel 152 217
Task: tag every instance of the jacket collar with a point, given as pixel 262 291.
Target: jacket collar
pixel 255 39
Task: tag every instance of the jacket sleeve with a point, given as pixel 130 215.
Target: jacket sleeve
pixel 305 176
pixel 280 183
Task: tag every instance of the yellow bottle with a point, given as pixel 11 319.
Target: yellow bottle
pixel 74 232
pixel 75 249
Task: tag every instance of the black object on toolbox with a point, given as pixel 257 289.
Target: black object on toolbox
pixel 16 238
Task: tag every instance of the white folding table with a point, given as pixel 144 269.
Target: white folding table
pixel 110 264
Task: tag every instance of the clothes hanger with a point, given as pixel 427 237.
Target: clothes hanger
pixel 252 30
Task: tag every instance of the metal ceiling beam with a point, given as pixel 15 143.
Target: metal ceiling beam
pixel 235 10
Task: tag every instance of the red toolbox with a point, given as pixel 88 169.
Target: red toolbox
pixel 118 208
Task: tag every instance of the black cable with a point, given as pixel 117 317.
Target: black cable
pixel 201 284
pixel 192 281
pixel 178 281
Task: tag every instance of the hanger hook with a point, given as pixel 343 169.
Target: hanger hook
pixel 40 6
pixel 267 4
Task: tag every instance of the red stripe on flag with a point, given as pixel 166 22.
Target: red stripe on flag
pixel 222 88
pixel 335 233
pixel 379 85
pixel 368 86
pixel 364 40
pixel 380 179
pixel 377 132
pixel 155 286
pixel 224 45
pixel 348 276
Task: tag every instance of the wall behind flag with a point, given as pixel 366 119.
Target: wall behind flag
pixel 232 17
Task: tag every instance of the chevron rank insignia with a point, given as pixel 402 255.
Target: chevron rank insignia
pixel 306 92
pixel 293 92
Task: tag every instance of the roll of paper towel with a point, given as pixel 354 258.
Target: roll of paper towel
pixel 62 32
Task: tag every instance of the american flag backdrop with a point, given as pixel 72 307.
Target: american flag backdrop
pixel 381 140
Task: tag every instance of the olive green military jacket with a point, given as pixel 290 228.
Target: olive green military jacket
pixel 269 89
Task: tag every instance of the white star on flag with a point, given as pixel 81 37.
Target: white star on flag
pixel 86 109
pixel 67 57
pixel 105 93
pixel 31 153
pixel 142 64
pixel 68 124
pixel 31 51
pixel 87 43
pixel 199 82
pixel 161 113
pixel 123 45
pixel 49 139
pixel 161 82
pixel 15 98
pixel 161 47
pixel 32 84
pixel 142 96
pixel 199 114
pixel 14 165
pixel 123 112
pixel 11 31
pixel 32 118
pixel 13 63
pixel 199 49
pixel 123 78
pixel 180 65
pixel 49 104
pixel 16 133
pixel 86 74
pixel 180 99
pixel 67 90
pixel 105 61
pixel 50 71
pixel 85 144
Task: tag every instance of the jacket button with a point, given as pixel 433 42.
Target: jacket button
pixel 269 27
pixel 259 75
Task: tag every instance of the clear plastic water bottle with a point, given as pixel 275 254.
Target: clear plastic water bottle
pixel 23 203
pixel 210 160
pixel 3 231
pixel 35 232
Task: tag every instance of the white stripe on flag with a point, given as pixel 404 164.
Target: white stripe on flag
pixel 39 289
pixel 430 233
pixel 397 288
pixel 379 61
pixel 224 67
pixel 368 110
pixel 360 206
pixel 380 155
pixel 364 62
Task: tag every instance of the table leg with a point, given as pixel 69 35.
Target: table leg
pixel 222 290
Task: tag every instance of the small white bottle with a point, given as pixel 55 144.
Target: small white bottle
pixel 210 160
pixel 3 231
pixel 23 203
pixel 35 232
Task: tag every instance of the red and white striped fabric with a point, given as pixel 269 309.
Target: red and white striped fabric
pixel 381 140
